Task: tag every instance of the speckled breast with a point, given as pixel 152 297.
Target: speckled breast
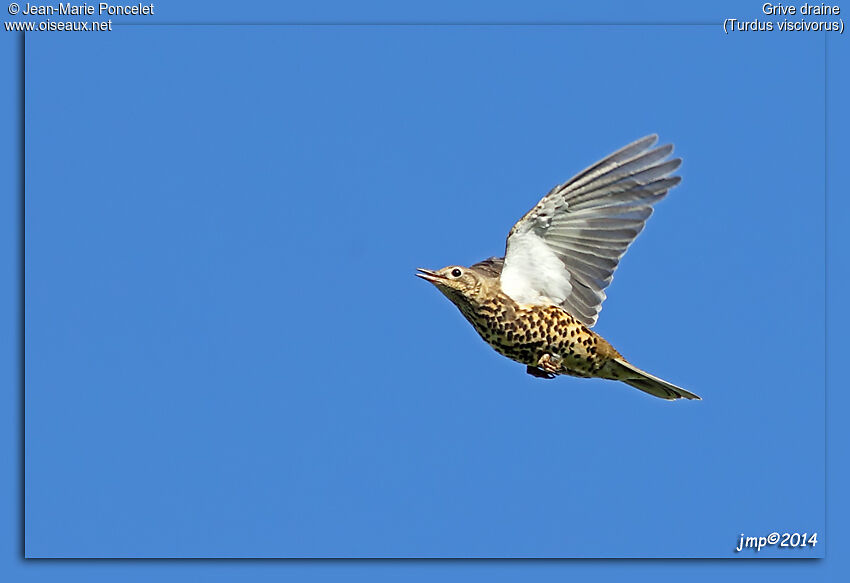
pixel 524 333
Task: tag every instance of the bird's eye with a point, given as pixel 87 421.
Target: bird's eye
pixel 455 272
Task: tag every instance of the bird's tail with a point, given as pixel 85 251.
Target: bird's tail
pixel 622 370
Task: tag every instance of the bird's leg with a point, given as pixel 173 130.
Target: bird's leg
pixel 541 374
pixel 550 363
pixel 548 367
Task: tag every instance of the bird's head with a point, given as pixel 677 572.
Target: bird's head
pixel 462 285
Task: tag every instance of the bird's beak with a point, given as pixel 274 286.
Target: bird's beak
pixel 429 275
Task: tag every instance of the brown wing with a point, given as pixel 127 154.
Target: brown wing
pixel 491 267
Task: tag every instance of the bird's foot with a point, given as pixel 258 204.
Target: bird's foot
pixel 540 374
pixel 550 363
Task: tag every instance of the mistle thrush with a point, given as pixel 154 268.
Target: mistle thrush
pixel 536 304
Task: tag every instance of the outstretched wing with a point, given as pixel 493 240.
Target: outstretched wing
pixel 564 251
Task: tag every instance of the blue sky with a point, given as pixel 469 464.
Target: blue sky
pixel 228 355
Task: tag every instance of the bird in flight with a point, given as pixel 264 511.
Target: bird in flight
pixel 537 304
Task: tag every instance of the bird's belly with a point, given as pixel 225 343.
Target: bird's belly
pixel 550 330
pixel 577 362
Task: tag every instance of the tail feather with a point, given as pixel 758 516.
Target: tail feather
pixel 622 370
